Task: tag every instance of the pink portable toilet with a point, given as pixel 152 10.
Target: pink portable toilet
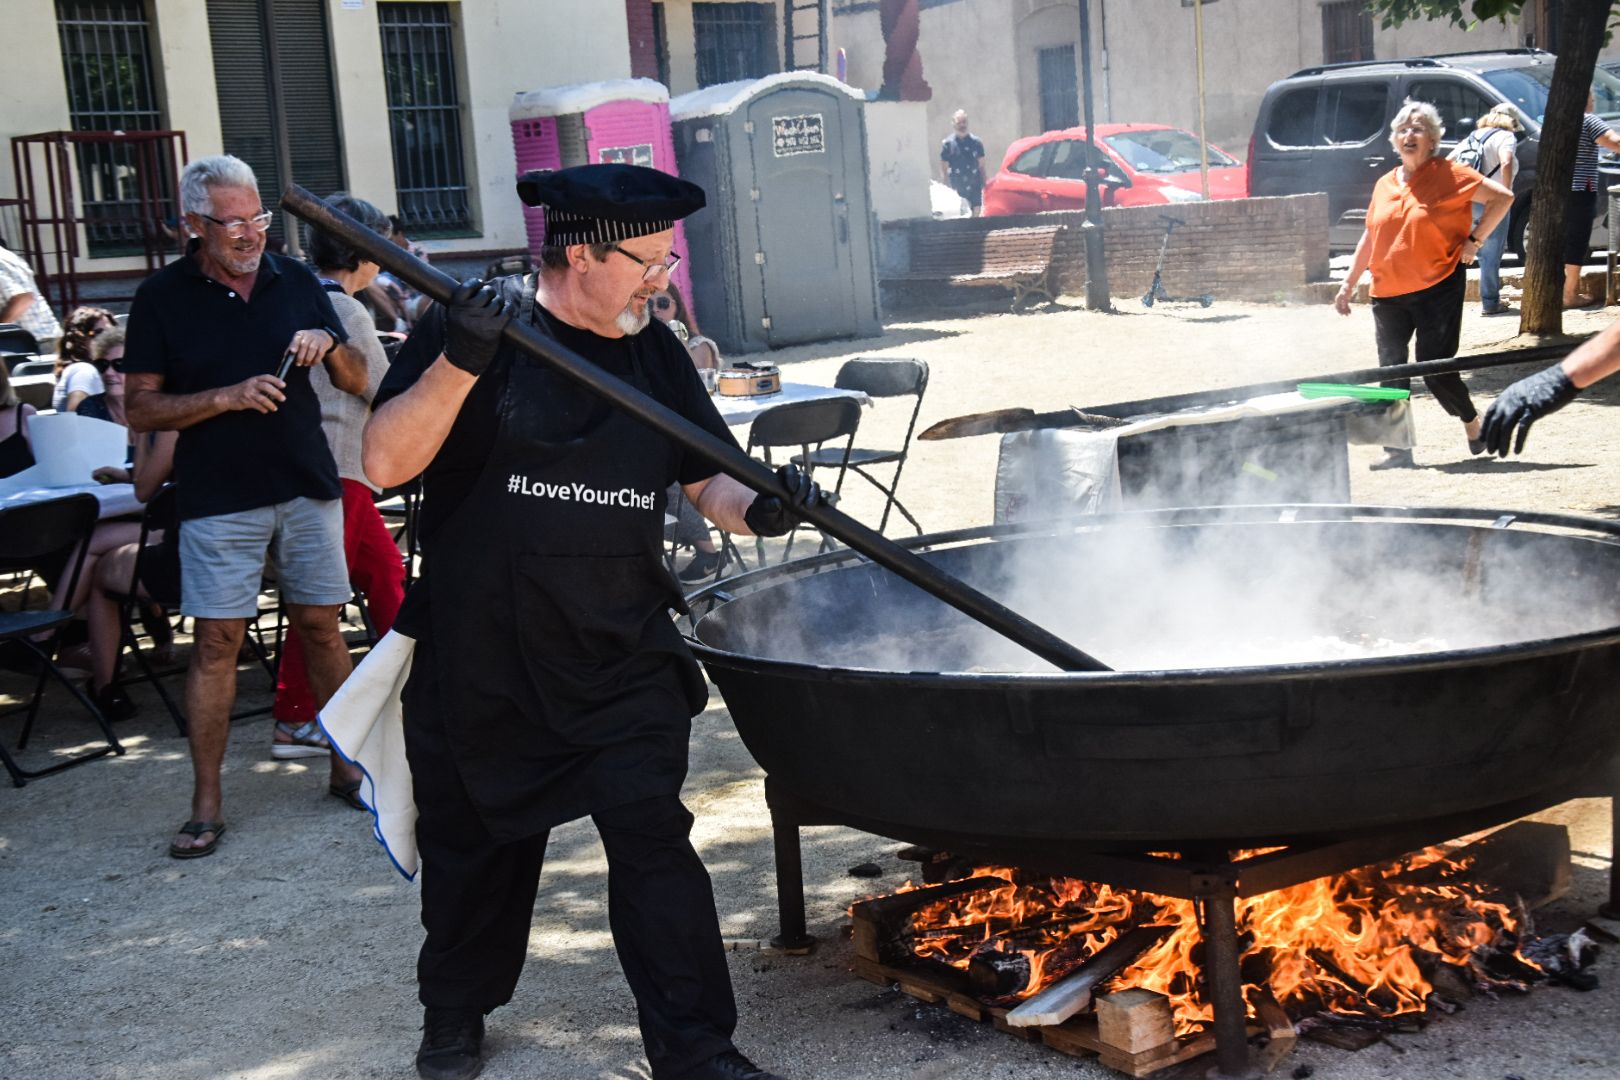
pixel 624 120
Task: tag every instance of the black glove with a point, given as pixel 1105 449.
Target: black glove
pixel 1521 405
pixel 474 319
pixel 768 515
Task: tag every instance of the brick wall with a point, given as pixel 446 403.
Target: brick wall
pixel 1232 249
pixel 643 47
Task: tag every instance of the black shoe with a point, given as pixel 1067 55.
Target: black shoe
pixel 729 1066
pixel 114 703
pixel 452 1044
pixel 1394 459
pixel 703 566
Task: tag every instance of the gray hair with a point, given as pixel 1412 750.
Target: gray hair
pixel 1423 113
pixel 221 170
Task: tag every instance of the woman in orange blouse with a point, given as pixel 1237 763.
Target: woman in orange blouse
pixel 1418 243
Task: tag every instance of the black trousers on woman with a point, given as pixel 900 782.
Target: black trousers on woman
pixel 478 902
pixel 1434 315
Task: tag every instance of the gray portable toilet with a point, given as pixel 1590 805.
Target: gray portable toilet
pixel 786 250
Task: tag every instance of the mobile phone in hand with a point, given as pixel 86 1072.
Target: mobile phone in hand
pixel 286 365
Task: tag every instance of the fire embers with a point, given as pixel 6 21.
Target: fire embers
pixel 1373 947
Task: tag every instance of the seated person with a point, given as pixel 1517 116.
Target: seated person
pixel 110 582
pixel 77 376
pixel 15 452
pixel 107 354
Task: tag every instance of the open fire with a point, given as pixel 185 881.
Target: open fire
pixel 1363 948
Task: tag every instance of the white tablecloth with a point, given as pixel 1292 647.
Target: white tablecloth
pixel 116 500
pixel 743 410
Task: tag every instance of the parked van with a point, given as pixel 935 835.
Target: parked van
pixel 1326 128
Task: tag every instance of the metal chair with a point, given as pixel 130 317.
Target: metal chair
pixel 30 535
pixel 880 379
pixel 405 512
pixel 808 425
pixel 161 515
pixel 15 340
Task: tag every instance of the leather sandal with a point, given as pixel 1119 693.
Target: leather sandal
pixel 195 829
pixel 349 793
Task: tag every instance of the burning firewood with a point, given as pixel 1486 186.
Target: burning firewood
pixel 1068 996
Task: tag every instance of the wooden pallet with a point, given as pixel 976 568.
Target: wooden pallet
pixel 872 927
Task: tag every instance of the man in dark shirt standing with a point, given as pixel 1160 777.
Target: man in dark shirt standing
pixel 207 334
pixel 961 162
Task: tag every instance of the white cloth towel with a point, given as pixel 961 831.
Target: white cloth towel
pixel 366 728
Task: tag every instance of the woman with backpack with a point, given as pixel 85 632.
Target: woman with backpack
pixel 1491 151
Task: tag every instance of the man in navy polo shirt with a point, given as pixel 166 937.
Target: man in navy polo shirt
pixel 207 334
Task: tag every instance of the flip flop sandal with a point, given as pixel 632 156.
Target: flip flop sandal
pixel 195 829
pixel 306 740
pixel 349 793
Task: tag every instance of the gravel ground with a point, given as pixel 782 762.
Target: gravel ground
pixel 289 954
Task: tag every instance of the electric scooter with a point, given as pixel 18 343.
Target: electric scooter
pixel 1156 290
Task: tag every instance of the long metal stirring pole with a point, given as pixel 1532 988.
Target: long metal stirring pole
pixel 726 457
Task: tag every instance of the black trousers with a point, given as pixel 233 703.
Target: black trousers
pixel 478 902
pixel 1434 315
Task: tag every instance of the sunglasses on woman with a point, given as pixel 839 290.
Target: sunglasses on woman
pixel 663 303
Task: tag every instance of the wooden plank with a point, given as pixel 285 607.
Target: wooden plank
pixel 1076 1036
pixel 1072 994
pixel 1281 1038
pixel 1135 1021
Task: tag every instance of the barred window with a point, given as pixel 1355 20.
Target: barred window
pixel 734 41
pixel 107 62
pixel 1347 31
pixel 1060 90
pixel 424 114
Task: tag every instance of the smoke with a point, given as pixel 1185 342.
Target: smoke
pixel 1242 593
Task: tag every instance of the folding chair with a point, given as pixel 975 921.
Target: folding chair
pixel 161 515
pixel 807 425
pixel 30 534
pixel 880 379
pixel 409 496
pixel 17 341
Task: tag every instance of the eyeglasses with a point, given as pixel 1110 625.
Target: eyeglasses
pixel 663 303
pixel 238 228
pixel 653 269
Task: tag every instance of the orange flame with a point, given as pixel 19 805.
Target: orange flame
pixel 1348 944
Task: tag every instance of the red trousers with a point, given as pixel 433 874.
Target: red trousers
pixel 375 568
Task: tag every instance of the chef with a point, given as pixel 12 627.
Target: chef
pixel 548 680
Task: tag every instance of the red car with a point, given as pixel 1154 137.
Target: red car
pixel 1142 165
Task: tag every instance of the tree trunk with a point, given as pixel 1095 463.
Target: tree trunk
pixel 1580 36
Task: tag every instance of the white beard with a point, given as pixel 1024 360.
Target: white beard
pixel 631 323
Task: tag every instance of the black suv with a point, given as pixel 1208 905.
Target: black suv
pixel 1326 128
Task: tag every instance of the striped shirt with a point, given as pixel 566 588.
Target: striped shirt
pixel 17 278
pixel 1586 158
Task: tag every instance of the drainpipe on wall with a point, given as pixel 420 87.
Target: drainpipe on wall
pixel 1108 98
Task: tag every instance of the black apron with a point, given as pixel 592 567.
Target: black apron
pixel 564 687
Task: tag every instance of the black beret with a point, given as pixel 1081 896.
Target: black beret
pixel 603 204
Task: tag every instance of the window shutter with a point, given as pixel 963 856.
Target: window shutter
pixel 247 114
pixel 308 104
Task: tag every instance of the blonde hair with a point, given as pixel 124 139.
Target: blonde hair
pixel 1423 113
pixel 1503 116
